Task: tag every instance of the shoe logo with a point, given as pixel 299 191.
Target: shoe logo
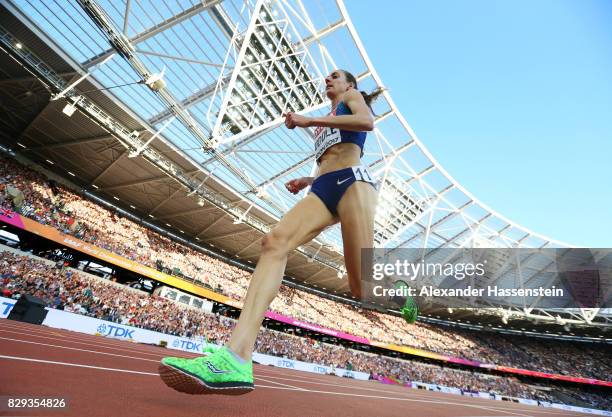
pixel 215 370
pixel 343 181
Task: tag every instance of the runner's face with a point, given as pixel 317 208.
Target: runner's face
pixel 336 84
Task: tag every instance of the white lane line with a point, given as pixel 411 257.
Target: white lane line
pixel 110 342
pixel 83 338
pixel 303 375
pixel 102 345
pixel 284 385
pixel 280 370
pixel 297 376
pixel 17 358
pixel 335 385
pixel 498 408
pixel 288 388
pixel 64 333
pixel 308 380
pixel 418 399
pixel 361 384
pixel 372 386
pixel 81 350
pixel 402 390
pixel 348 394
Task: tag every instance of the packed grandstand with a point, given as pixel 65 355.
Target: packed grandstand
pixel 28 192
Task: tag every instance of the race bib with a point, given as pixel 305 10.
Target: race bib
pixel 361 173
pixel 324 139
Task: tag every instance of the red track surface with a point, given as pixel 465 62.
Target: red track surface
pixel 106 377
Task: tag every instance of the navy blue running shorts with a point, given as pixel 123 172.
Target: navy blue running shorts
pixel 331 187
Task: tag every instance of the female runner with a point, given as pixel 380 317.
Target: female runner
pixel 342 191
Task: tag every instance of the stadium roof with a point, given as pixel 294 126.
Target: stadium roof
pixel 179 120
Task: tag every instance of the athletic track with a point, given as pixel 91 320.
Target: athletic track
pixel 100 377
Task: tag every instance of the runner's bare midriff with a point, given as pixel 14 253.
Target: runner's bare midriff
pixel 339 156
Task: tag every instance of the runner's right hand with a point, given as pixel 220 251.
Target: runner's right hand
pixel 298 184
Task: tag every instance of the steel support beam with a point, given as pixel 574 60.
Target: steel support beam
pixel 108 167
pixel 207 228
pixel 324 32
pixel 126 49
pixel 247 247
pixel 160 27
pixel 229 234
pixel 134 183
pixel 165 200
pixel 186 212
pixel 192 100
pixel 9 81
pixel 69 143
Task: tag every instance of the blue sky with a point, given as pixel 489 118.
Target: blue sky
pixel 513 98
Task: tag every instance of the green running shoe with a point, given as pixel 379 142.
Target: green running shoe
pixel 210 349
pixel 218 373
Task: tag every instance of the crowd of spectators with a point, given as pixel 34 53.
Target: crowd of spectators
pixel 33 195
pixel 74 291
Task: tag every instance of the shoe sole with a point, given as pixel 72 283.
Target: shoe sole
pixel 184 382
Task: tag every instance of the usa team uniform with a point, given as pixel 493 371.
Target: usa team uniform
pixel 331 187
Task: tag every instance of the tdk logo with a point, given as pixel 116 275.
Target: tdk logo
pixel 320 369
pixel 6 308
pixel 115 331
pixel 187 345
pixel 285 363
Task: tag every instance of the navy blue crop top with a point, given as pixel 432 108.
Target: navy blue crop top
pixel 326 137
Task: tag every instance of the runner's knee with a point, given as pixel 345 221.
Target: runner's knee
pixel 275 242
